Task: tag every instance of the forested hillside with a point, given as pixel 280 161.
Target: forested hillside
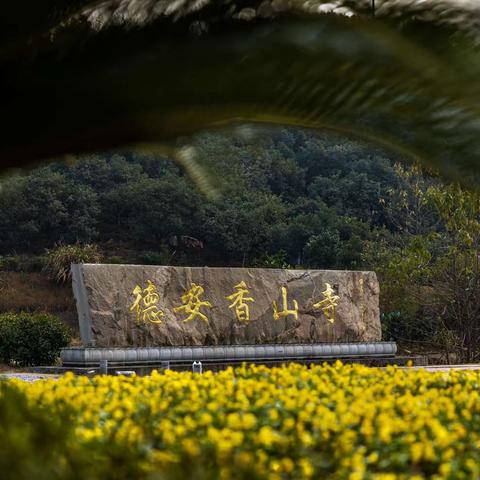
pixel 283 198
pixel 303 199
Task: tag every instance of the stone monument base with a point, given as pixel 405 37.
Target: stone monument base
pixel 91 357
pixel 132 306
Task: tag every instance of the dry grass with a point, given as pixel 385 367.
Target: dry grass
pixel 33 292
pixel 7 368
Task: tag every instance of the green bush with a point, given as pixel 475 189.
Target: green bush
pixel 401 326
pixel 116 260
pixel 31 339
pixel 22 263
pixel 60 258
pixel 155 258
pixel 275 260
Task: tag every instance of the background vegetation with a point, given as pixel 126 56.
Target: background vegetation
pixel 286 198
pixel 29 339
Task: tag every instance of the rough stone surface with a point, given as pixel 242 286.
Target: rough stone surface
pixel 107 318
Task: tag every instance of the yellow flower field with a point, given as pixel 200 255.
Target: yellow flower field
pixel 340 422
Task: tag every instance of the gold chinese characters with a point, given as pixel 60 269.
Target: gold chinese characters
pixel 145 304
pixel 329 303
pixel 146 300
pixel 192 303
pixel 238 299
pixel 285 312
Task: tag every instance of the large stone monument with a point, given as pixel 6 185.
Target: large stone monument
pixel 152 306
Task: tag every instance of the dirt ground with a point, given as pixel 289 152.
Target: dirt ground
pixel 35 292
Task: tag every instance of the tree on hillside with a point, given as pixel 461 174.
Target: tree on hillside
pixel 430 273
pixel 43 208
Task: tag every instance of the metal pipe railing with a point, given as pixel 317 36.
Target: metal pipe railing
pixel 225 353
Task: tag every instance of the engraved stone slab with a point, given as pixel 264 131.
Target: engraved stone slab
pixel 147 306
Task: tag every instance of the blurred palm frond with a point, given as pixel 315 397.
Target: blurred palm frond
pixel 79 76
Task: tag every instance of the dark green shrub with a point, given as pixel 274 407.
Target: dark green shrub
pixel 155 258
pixel 116 260
pixel 275 260
pixel 60 258
pixel 22 263
pixel 31 339
pixel 401 326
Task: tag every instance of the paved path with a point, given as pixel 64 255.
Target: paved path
pixel 33 377
pixel 442 368
pixel 445 368
pixel 27 377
